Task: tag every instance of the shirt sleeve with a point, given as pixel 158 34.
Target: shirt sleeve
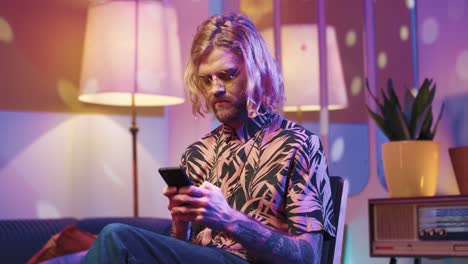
pixel 194 162
pixel 309 204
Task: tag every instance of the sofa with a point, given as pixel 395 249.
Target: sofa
pixel 20 239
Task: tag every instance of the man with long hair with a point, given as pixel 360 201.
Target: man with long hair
pixel 261 189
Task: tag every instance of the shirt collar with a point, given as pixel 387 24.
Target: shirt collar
pixel 248 129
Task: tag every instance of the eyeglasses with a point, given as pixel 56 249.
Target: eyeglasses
pixel 227 77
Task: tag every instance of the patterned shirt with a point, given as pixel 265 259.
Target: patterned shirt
pixel 270 169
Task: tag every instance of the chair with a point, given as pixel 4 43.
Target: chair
pixel 332 246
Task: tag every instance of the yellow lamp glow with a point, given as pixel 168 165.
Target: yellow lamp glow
pixel 300 66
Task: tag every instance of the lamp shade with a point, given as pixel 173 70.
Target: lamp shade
pixel 131 48
pixel 300 67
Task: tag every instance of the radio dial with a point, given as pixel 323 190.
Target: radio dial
pixel 422 233
pixel 441 232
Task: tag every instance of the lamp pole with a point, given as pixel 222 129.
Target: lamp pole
pixel 134 127
pixel 323 70
pixel 134 132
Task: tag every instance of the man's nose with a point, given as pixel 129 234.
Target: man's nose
pixel 217 87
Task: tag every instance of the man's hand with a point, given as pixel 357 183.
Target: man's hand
pixel 180 228
pixel 205 204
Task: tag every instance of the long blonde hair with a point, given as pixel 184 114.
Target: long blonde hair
pixel 237 33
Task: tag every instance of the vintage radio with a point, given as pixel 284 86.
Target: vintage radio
pixel 421 227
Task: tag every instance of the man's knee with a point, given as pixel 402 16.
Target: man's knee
pixel 114 230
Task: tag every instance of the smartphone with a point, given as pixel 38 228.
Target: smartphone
pixel 175 176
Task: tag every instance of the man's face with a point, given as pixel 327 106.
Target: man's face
pixel 222 80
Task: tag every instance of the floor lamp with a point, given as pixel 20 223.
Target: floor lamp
pixel 300 67
pixel 131 58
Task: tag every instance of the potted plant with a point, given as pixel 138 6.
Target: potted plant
pixel 411 158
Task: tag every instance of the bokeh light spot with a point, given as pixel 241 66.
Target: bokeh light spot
pixel 410 4
pixel 429 31
pixel 461 66
pixel 414 91
pixel 356 85
pixel 68 92
pixel 404 32
pixel 337 149
pixel 351 38
pixel 382 60
pixel 46 210
pixel 6 33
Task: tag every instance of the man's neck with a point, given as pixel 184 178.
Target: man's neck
pixel 236 124
pixel 239 122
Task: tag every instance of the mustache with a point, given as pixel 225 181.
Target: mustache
pixel 218 100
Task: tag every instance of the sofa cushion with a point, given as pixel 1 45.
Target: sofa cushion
pixel 70 240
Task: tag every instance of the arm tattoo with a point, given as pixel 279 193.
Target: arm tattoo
pixel 307 250
pixel 275 247
pixel 280 245
pixel 248 232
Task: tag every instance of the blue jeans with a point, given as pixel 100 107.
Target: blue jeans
pixel 120 243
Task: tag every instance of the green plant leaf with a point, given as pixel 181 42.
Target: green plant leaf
pixel 370 92
pixel 442 107
pixel 374 98
pixel 394 125
pixel 426 128
pixel 400 125
pixel 421 121
pixel 392 95
pixel 414 121
pixel 380 123
pixel 409 101
pixel 423 98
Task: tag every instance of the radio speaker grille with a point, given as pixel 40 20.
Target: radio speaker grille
pixel 394 222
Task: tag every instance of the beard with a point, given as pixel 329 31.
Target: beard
pixel 231 112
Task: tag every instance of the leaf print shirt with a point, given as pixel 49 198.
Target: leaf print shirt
pixel 270 169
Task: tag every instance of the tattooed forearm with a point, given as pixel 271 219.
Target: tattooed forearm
pixel 275 247
pixel 248 232
pixel 281 245
pixel 308 251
